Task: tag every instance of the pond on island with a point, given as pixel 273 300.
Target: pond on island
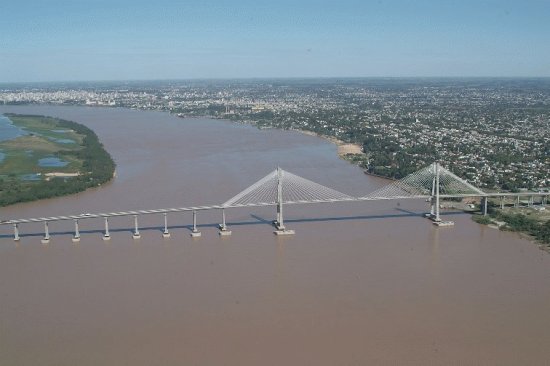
pixel 52 162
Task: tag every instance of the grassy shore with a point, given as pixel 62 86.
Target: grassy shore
pixel 532 222
pixel 44 140
pixel 23 178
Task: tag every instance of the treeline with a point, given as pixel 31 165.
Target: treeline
pixel 518 222
pixel 387 158
pixel 97 168
pixel 523 223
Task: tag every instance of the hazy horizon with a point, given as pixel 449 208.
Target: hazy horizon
pixel 296 78
pixel 65 41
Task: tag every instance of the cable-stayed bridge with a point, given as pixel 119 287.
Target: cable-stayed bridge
pixel 280 188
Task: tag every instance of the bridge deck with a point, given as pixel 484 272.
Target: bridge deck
pixel 259 204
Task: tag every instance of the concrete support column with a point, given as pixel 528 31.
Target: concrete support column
pixel 223 227
pixel 517 202
pixel 437 218
pixel 531 201
pixel 76 237
pixel 106 236
pixel 46 238
pixel 136 234
pixel 280 221
pixel 484 205
pixel 432 199
pixel 16 232
pixel 502 202
pixel 195 233
pixel 165 233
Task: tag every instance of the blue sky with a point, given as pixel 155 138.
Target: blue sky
pixel 124 40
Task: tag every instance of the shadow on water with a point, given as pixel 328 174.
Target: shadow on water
pixel 256 220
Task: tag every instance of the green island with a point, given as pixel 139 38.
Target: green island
pixel 50 158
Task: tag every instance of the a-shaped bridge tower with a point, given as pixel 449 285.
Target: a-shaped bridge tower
pixel 432 183
pixel 281 187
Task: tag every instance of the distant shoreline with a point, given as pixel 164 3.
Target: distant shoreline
pixel 343 147
pixel 378 175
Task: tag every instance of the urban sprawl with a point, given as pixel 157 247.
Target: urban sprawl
pixel 493 132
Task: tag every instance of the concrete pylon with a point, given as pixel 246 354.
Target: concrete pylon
pixel 279 223
pixel 165 232
pixel 224 231
pixel 435 199
pixel 136 234
pixel 76 237
pixel 195 233
pixel 437 218
pixel 46 238
pixel 16 232
pixel 484 204
pixel 106 235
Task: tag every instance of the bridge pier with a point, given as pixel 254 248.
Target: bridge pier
pixel 279 223
pixel 76 237
pixel 165 233
pixel 16 232
pixel 484 204
pixel 434 199
pixel 437 218
pixel 106 236
pixel 502 202
pixel 195 233
pixel 224 231
pixel 46 238
pixel 516 204
pixel 136 234
pixel 435 205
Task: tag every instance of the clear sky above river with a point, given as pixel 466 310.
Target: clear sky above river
pixel 105 40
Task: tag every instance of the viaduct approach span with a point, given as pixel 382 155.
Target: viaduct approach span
pixel 280 188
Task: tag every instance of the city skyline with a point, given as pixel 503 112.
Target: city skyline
pixel 100 40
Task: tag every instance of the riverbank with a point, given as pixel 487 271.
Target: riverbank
pixel 528 228
pixel 532 223
pixel 532 229
pixel 343 147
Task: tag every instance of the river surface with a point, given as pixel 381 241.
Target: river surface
pixel 368 283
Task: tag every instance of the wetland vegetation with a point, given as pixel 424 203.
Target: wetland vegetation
pixel 532 221
pixel 50 157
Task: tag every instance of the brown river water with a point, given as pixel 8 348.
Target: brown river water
pixel 361 283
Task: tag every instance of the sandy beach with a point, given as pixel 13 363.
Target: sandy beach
pixel 343 147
